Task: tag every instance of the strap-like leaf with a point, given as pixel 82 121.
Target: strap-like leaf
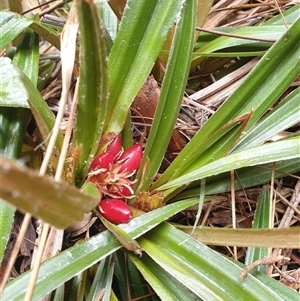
pixel 261 89
pixel 57 203
pixel 208 274
pixel 289 149
pixel 92 98
pixel 143 30
pixel 78 258
pixel 173 87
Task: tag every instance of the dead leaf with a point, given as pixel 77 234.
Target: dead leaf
pixel 144 106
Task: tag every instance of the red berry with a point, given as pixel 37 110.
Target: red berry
pixel 115 147
pixel 132 158
pixel 115 210
pixel 126 191
pixel 104 160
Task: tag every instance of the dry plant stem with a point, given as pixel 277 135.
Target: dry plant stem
pixel 68 56
pixel 127 277
pixel 221 84
pixel 289 211
pixel 36 265
pixel 55 238
pixel 251 16
pixel 286 276
pixel 233 213
pixel 15 251
pixel 191 102
pixel 206 214
pixel 100 295
pixel 36 7
pixel 272 214
pixel 48 10
pixel 244 192
pixel 53 244
pixel 70 36
pixel 225 34
pixel 262 261
pixel 53 7
pixel 215 18
pixel 67 137
pixel 281 14
pixel 288 215
pixel 251 5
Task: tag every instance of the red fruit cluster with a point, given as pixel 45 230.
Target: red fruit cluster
pixel 111 172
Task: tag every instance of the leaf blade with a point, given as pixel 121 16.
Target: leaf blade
pixel 249 157
pixel 57 203
pixel 143 30
pixel 92 95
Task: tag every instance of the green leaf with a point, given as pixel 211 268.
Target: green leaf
pixel 200 151
pixel 230 54
pixel 173 87
pixel 272 238
pixel 57 203
pixel 102 279
pixel 290 15
pixel 247 177
pixel 187 261
pixel 262 220
pixel 45 31
pixel 110 23
pixel 27 55
pixel 165 285
pixel 125 240
pixel 78 258
pixel 7 213
pixel 270 32
pixel 16 89
pixel 124 270
pixel 261 89
pixel 76 287
pixel 143 30
pixel 280 118
pixel 92 95
pixel 275 69
pixel 12 92
pixel 11 25
pixel 121 274
pixel 14 122
pixel 249 157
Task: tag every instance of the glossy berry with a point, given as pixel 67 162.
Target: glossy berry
pixel 115 147
pixel 132 158
pixel 115 210
pixel 126 191
pixel 104 160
